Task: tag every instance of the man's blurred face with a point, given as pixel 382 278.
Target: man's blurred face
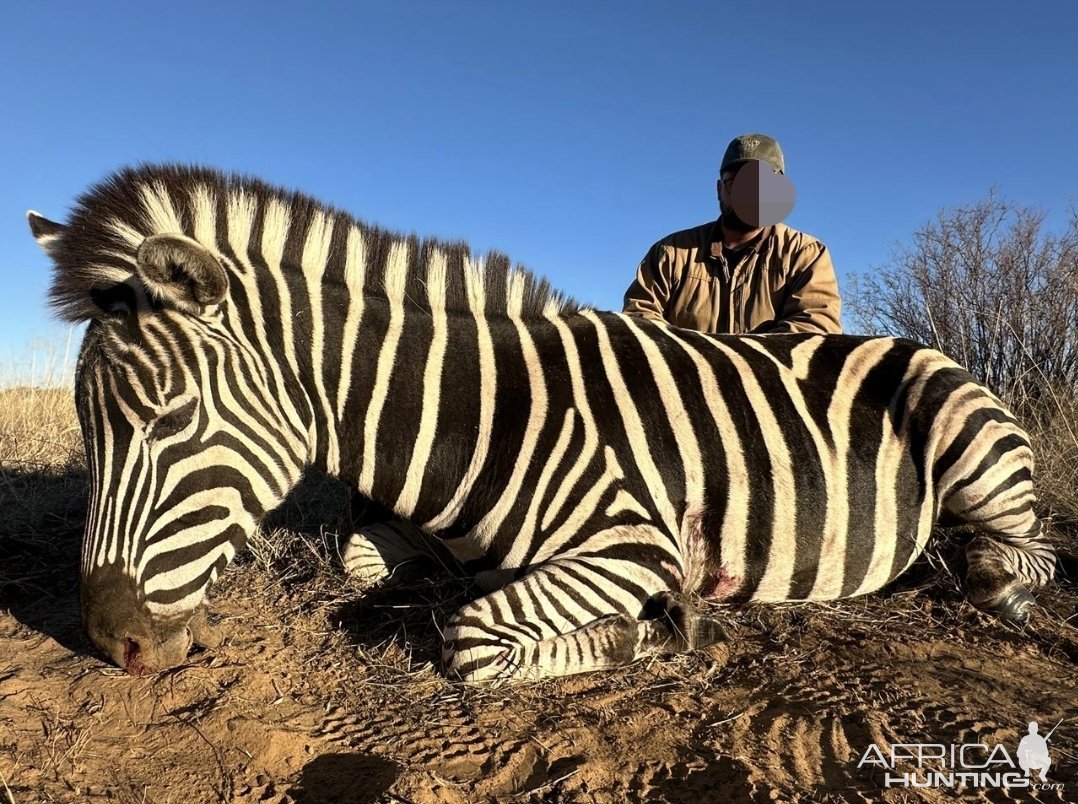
pixel 730 218
pixel 753 195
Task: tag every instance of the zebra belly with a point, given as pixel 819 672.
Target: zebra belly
pixel 802 570
pixel 829 531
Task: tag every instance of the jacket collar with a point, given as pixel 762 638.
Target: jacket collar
pixel 754 246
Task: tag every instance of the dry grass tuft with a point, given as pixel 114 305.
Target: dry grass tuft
pixel 38 430
pixel 1054 433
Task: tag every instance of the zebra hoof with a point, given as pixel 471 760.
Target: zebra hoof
pixel 410 571
pixel 1015 607
pixel 688 628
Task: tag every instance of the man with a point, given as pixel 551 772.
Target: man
pixel 745 272
pixel 1033 753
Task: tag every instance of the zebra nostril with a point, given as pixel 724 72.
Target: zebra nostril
pixel 132 663
pixel 131 649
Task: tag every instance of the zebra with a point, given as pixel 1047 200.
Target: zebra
pixel 596 473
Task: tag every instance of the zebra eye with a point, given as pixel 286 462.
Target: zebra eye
pixel 174 421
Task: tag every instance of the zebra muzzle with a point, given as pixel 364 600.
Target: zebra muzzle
pixel 142 654
pixel 121 626
pixel 198 632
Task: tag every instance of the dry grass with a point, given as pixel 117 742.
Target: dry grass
pixel 1055 443
pixel 38 430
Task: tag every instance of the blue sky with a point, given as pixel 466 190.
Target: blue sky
pixel 569 135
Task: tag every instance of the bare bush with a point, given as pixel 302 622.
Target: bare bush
pixel 987 285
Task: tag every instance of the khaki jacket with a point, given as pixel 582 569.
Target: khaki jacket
pixel 782 281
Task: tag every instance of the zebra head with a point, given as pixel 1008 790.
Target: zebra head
pixel 187 442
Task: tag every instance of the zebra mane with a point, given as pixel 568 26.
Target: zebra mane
pixel 95 253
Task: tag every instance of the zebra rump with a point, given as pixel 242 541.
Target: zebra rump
pixel 595 472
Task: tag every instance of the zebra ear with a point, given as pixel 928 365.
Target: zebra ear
pixel 181 272
pixel 47 233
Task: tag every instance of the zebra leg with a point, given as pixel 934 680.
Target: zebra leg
pixel 547 624
pixel 1002 569
pixel 386 553
pixel 994 494
pixel 384 549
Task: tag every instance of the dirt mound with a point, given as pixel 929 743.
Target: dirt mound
pixel 295 706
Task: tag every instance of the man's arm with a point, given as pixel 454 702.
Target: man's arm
pixel 812 303
pixel 649 294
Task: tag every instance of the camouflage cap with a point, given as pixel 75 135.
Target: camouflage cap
pixel 749 147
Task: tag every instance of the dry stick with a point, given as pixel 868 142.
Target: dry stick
pixel 932 324
pixel 7 790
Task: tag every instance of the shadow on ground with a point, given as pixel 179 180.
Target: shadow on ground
pixel 41 522
pixel 345 778
pixel 42 517
pixel 409 610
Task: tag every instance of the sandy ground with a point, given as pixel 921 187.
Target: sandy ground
pixel 322 692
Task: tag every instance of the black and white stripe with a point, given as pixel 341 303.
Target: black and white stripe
pixel 583 465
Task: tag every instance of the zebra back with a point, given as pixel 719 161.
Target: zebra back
pixel 95 256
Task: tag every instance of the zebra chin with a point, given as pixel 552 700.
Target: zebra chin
pixel 122 627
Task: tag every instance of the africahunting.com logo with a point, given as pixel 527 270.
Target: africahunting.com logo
pixel 970 765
